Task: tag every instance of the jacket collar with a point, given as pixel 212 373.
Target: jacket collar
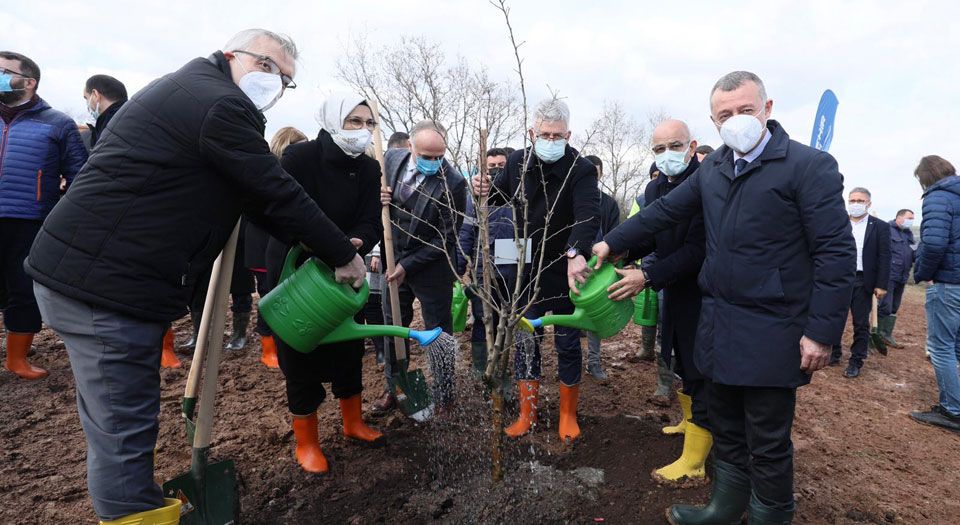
pixel 776 149
pixel 951 184
pixel 108 114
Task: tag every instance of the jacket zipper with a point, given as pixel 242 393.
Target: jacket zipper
pixel 39 177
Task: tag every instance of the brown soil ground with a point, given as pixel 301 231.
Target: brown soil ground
pixel 859 458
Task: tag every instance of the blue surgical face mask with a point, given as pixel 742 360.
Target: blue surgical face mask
pixel 907 223
pixel 5 83
pixel 672 163
pixel 550 151
pixel 428 167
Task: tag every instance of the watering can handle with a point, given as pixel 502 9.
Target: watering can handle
pixel 290 263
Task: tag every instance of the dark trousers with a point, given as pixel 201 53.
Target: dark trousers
pixel 566 340
pixel 373 313
pixel 698 392
pixel 694 384
pixel 262 289
pixel 340 364
pixel 435 293
pixel 20 313
pixel 860 306
pixel 751 430
pixel 890 303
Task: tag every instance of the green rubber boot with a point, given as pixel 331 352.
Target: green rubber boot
pixel 886 330
pixel 731 495
pixel 478 355
pixel 761 514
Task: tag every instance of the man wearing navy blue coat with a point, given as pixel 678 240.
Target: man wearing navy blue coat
pixel 777 280
pixel 872 237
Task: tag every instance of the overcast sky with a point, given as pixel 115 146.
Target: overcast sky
pixel 893 65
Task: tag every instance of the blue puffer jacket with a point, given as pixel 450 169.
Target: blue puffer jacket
pixel 38 146
pixel 938 258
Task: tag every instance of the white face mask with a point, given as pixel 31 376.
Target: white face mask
pixel 742 133
pixel 353 142
pixel 262 88
pixel 856 209
pixel 907 223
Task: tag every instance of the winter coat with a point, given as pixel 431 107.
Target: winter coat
pixel 609 214
pixel 346 188
pixel 430 218
pixel 938 257
pixel 39 146
pixel 161 193
pixel 780 258
pixel 568 187
pixel 901 253
pixel 678 256
pixel 500 224
pixel 876 254
pixel 98 129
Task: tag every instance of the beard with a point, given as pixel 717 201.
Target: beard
pixel 14 98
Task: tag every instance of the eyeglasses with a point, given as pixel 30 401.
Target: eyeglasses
pixel 4 71
pixel 268 65
pixel 673 146
pixel 357 123
pixel 552 136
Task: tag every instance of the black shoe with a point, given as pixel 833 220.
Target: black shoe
pixel 937 416
pixel 852 371
pixel 834 361
pixel 384 405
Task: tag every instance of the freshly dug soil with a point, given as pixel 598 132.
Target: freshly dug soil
pixel 859 458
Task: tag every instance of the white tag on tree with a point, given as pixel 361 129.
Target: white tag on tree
pixel 505 251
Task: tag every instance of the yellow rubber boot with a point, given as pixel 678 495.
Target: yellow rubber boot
pixel 688 469
pixel 686 406
pixel 169 514
pixel 569 429
pixel 529 394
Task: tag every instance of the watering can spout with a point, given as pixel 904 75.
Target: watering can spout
pixel 425 337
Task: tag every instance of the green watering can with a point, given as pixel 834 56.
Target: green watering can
pixel 458 308
pixel 646 308
pixel 594 311
pixel 309 308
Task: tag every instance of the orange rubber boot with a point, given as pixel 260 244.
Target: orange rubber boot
pixel 269 355
pixel 17 347
pixel 353 425
pixel 569 429
pixel 309 455
pixel 168 359
pixel 529 394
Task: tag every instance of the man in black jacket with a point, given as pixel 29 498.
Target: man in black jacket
pixel 609 219
pixel 550 177
pixel 427 198
pixel 872 236
pixel 104 96
pixel 117 258
pixel 679 253
pixel 776 282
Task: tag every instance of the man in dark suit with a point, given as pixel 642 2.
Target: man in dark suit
pixel 872 236
pixel 427 199
pixel 776 283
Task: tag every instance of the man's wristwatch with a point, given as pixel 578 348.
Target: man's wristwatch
pixel 646 278
pixel 572 252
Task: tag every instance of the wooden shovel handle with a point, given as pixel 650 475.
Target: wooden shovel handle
pixel 386 251
pixel 220 278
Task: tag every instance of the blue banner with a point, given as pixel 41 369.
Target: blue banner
pixel 823 124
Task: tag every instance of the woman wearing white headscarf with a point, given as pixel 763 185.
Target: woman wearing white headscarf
pixel 345 183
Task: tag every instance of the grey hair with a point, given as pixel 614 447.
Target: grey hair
pixel 427 124
pixel 862 190
pixel 552 110
pixel 732 81
pixel 243 39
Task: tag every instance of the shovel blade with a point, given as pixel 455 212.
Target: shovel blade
pixel 207 497
pixel 414 394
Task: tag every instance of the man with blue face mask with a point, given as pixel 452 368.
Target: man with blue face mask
pixel 776 283
pixel 678 257
pixel 552 177
pixel 117 258
pixel 38 146
pixel 902 255
pixel 872 236
pixel 427 198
